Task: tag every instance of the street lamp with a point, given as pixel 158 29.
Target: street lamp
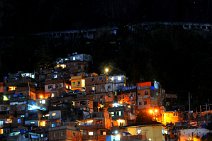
pixel 153 113
pixel 106 70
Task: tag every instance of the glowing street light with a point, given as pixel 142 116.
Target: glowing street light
pixel 153 112
pixel 106 70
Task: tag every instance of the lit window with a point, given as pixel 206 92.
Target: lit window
pixel 53 125
pixel 52 95
pixel 74 58
pixel 93 88
pixel 90 133
pixel 32 122
pixel 5 98
pixel 1 123
pixel 63 66
pixel 119 78
pixel 83 82
pixel 55 75
pixel 112 114
pixel 119 113
pixel 139 131
pixel 43 101
pixel 112 78
pixel 104 133
pixel 53 114
pixel 19 120
pixel 1 131
pixel 12 88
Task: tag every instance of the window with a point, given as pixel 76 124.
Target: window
pixel 52 95
pixel 146 93
pixel 119 78
pixel 90 133
pixel 145 102
pixel 19 120
pixel 43 101
pixel 62 133
pixel 93 88
pixel 50 87
pixel 1 123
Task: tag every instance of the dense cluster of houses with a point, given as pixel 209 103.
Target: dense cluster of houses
pixel 67 102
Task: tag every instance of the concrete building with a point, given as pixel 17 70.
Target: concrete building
pixel 65 132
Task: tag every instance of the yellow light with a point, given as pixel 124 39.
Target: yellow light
pixel 83 82
pixel 107 70
pixel 156 110
pixel 43 123
pixel 12 88
pixel 150 111
pixel 5 98
pixel 1 131
pixel 41 96
pixel 89 121
pixel 120 120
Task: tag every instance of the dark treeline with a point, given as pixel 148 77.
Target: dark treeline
pixel 180 60
pixel 46 15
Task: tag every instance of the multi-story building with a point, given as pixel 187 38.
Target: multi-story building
pixel 149 94
pixel 66 132
pixel 96 127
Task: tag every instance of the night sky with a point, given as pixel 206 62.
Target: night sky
pixel 180 60
pixel 43 15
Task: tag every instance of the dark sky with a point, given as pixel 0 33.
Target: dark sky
pixel 42 15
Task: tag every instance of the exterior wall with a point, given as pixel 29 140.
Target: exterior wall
pixel 144 98
pixel 127 98
pixel 77 83
pixel 64 133
pixel 95 84
pixel 116 112
pixel 51 86
pixel 151 132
